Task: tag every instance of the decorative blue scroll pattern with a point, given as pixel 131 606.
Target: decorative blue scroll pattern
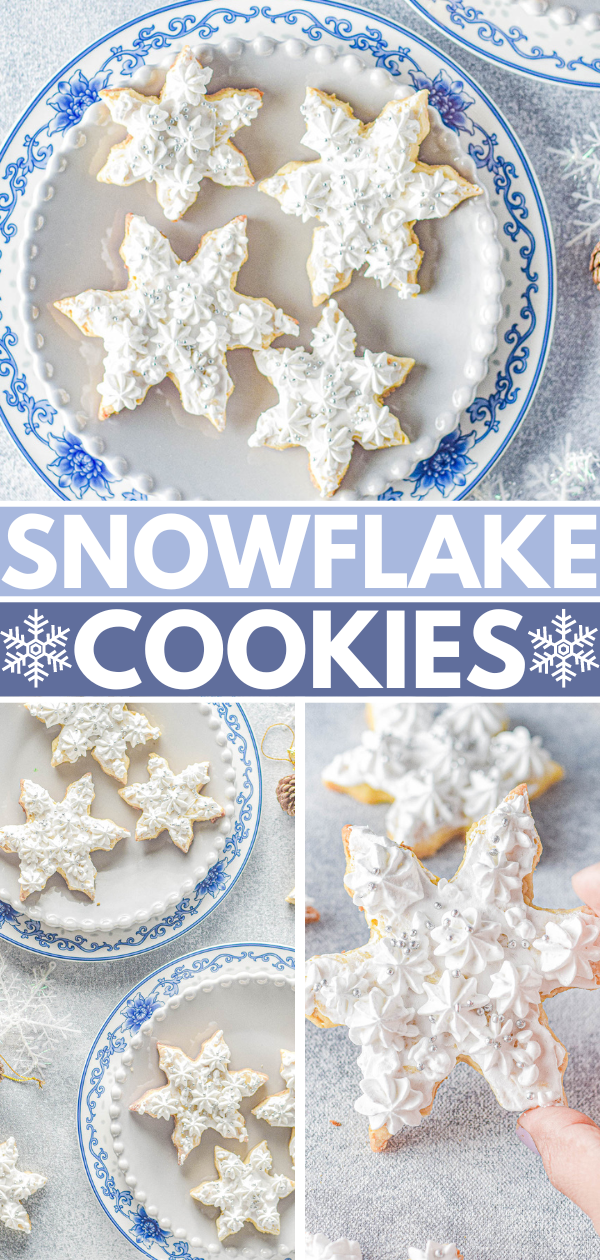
pixel 18 928
pixel 73 471
pixel 143 1231
pixel 481 35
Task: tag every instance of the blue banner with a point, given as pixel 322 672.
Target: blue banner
pixel 311 648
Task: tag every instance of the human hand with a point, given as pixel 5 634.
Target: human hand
pixel 567 1141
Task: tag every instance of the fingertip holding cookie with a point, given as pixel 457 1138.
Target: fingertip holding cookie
pixel 526 1138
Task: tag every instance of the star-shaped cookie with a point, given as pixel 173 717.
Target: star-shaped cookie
pixel 181 136
pixel 440 768
pixel 245 1191
pixel 14 1187
pixel 103 729
pixel 201 1094
pixel 59 836
pixel 367 190
pixel 172 802
pixel 329 399
pixel 279 1110
pixel 175 319
pixel 455 971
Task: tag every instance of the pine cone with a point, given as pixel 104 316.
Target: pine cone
pixel 595 264
pixel 286 793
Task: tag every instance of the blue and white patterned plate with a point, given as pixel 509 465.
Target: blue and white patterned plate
pixel 22 929
pixel 488 421
pixel 108 1064
pixel 544 39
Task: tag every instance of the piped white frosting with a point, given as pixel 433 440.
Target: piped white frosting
pixel 367 189
pixel 15 1186
pixel 245 1191
pixel 443 768
pixel 172 802
pixel 279 1110
pixel 178 138
pixel 434 1251
pixel 452 972
pixel 329 399
pixel 318 1247
pixel 175 319
pixel 59 836
pixel 201 1094
pixel 103 729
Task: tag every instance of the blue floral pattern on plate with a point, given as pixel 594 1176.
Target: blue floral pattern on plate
pixel 73 473
pixel 132 1220
pixel 18 928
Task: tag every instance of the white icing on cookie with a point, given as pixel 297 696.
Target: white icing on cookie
pixel 443 768
pixel 279 1110
pixel 330 399
pixel 245 1191
pixel 451 972
pixel 171 802
pixel 175 319
pixel 367 189
pixel 181 136
pixel 59 836
pixel 14 1187
pixel 103 729
pixel 201 1094
pixel 318 1247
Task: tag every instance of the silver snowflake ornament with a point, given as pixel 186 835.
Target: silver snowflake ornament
pixel 455 971
pixel 180 137
pixel 59 836
pixel 176 319
pixel 561 656
pixel 367 190
pixel 34 649
pixel 329 399
pixel 15 1186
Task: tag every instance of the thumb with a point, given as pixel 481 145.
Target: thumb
pixel 587 886
pixel 569 1145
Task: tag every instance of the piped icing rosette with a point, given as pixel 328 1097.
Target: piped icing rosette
pixel 455 970
pixel 177 139
pixel 366 190
pixel 318 1247
pixel 439 769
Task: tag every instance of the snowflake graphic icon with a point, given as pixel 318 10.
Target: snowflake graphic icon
pixel 563 653
pixel 32 655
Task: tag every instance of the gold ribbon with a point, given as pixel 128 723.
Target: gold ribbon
pixel 291 752
pixel 11 1075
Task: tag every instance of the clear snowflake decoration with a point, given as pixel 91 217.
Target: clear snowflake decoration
pixel 581 162
pixel 564 653
pixel 32 655
pixel 29 1028
pixel 568 473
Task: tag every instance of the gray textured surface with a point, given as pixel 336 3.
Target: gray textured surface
pixel 462 1176
pixel 68 1223
pixel 544 116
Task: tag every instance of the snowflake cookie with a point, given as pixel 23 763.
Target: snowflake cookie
pixel 245 1191
pixel 201 1094
pixel 181 136
pixel 279 1110
pixel 176 319
pixel 103 729
pixel 172 802
pixel 367 189
pixel 318 1247
pixel 439 768
pixel 455 970
pixel 59 836
pixel 14 1187
pixel 330 399
pixel 311 915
